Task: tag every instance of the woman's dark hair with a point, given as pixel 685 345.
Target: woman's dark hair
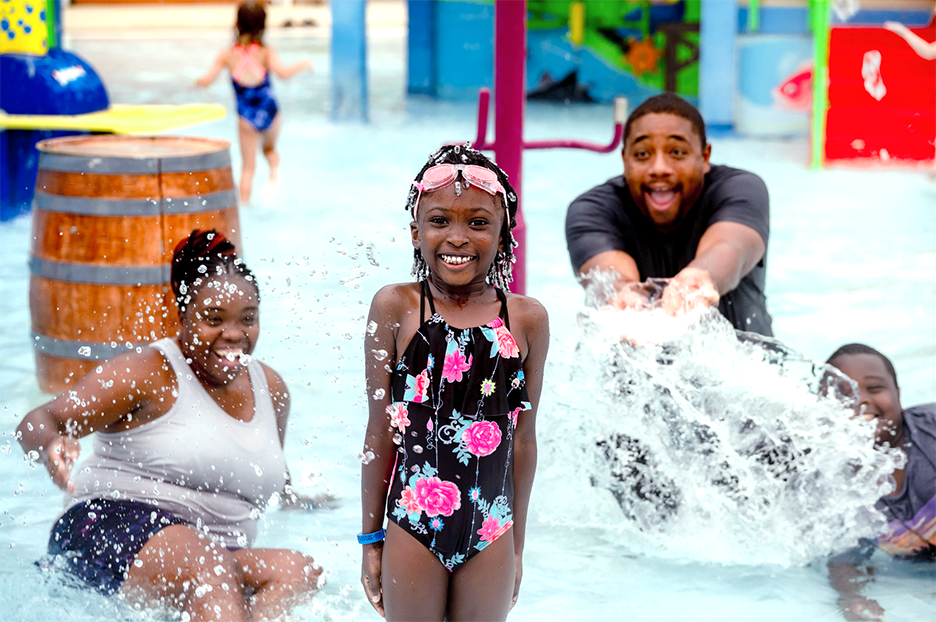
pixel 501 272
pixel 251 21
pixel 201 256
pixel 860 348
pixel 667 103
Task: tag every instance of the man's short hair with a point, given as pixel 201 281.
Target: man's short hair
pixel 667 103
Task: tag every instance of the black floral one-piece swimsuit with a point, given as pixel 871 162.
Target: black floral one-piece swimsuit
pixel 455 397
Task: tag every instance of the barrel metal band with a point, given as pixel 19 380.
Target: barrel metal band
pixel 200 203
pixel 134 166
pixel 80 350
pixel 195 163
pixel 209 202
pixel 99 275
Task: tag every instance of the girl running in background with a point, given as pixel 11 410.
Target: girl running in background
pixel 250 62
pixel 454 372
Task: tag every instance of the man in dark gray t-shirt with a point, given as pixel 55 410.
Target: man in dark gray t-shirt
pixel 673 215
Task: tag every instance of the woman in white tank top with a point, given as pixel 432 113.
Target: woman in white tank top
pixel 188 451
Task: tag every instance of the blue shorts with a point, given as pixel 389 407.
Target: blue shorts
pixel 99 539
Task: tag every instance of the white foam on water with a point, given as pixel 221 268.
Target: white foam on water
pixel 687 440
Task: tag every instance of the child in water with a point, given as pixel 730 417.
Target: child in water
pixel 454 372
pixel 250 62
pixel 911 508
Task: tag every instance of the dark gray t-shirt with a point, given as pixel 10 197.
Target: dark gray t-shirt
pixel 606 218
pixel 911 513
pixel 915 504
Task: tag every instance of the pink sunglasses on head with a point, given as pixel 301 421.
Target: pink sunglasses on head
pixel 441 175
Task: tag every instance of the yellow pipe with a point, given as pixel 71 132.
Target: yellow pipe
pixel 577 22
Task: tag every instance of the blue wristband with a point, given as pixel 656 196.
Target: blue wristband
pixel 370 538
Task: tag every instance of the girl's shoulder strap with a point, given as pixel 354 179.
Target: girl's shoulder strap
pixel 503 313
pixel 425 292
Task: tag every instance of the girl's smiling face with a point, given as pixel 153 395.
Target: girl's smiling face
pixel 879 395
pixel 220 326
pixel 458 234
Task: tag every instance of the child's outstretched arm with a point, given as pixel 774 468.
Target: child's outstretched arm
pixel 926 49
pixel 376 472
pixel 286 71
pixel 219 63
pixel 535 325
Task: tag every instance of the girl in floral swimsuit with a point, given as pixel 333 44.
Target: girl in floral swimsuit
pixel 454 373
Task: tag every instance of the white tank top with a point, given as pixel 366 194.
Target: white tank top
pixel 211 470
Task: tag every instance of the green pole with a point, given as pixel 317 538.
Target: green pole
pixel 753 15
pixel 819 22
pixel 50 23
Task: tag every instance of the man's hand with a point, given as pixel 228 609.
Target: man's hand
pixel 629 296
pixel 688 290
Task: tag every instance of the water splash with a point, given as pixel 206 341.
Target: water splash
pixel 688 440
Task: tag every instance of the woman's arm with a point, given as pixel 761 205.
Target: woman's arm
pixel 282 401
pixel 535 322
pixel 377 471
pixel 109 396
pixel 285 71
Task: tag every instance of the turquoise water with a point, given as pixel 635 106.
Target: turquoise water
pixel 852 258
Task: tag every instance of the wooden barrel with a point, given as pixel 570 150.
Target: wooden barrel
pixel 107 214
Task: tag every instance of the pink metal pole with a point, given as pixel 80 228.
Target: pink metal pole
pixel 509 104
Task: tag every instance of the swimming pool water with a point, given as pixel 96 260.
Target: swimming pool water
pixel 852 258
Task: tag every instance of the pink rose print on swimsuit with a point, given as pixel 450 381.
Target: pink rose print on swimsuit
pixel 454 365
pixel 399 416
pixel 416 387
pixel 492 529
pixel 437 497
pixel 482 438
pixel 408 501
pixel 515 415
pixel 505 342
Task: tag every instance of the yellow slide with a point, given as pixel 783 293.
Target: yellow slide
pixel 119 119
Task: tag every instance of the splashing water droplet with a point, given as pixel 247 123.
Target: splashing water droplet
pixel 379 394
pixel 371 327
pixel 397 439
pixel 84 351
pixel 379 354
pixel 418 449
pixel 366 458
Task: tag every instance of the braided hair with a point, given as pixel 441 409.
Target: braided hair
pixel 201 256
pixel 500 273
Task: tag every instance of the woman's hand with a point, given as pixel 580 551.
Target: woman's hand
pixel 370 575
pixel 60 456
